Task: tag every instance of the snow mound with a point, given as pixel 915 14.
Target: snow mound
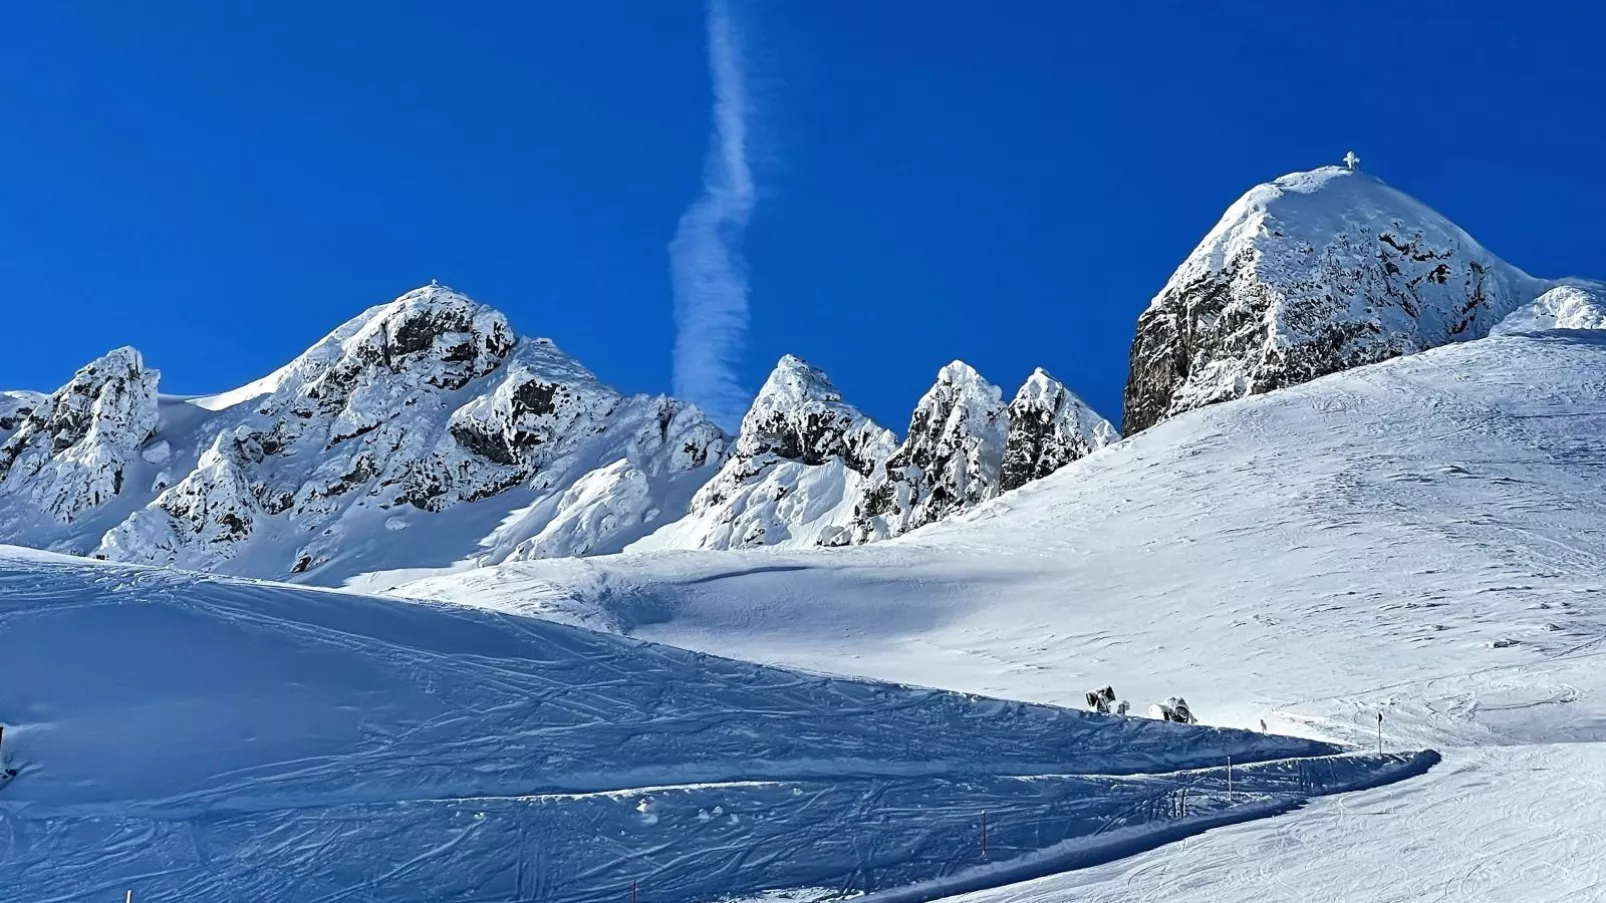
pixel 234 739
pixel 1579 305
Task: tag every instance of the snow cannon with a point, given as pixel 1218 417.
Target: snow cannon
pixel 1175 709
pixel 1099 700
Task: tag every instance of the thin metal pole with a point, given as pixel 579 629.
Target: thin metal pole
pixel 1229 778
pixel 1380 733
pixel 984 834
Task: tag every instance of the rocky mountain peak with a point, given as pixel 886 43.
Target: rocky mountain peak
pixel 798 415
pixel 950 460
pixel 1049 427
pixel 1307 275
pixel 70 452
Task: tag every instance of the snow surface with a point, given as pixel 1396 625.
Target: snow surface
pixel 1576 305
pixel 1418 537
pixel 206 739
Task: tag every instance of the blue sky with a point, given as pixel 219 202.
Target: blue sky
pixel 219 184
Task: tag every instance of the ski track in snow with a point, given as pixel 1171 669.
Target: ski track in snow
pixel 205 738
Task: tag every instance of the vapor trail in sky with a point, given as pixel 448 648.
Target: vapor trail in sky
pixel 706 264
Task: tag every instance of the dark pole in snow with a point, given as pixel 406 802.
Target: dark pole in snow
pixel 1380 733
pixel 632 892
pixel 984 834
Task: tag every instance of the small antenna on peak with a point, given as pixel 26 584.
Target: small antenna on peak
pixel 433 282
pixel 1352 161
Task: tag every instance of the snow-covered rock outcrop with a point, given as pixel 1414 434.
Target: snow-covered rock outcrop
pixel 15 407
pixel 1311 274
pixel 1573 305
pixel 1049 427
pixel 69 452
pixel 799 465
pixel 424 404
pixel 950 461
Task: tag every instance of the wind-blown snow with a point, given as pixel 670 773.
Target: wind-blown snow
pixel 201 739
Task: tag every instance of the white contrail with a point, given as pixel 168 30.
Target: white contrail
pixel 705 257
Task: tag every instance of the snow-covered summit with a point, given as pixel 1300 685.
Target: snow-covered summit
pixel 800 463
pixel 420 434
pixel 1307 275
pixel 1049 427
pixel 70 452
pixel 951 459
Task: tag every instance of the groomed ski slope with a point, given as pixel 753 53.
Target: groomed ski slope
pixel 209 739
pixel 1419 537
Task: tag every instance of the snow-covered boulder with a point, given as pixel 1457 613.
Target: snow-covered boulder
pixel 1575 305
pixel 69 453
pixel 1311 274
pixel 951 460
pixel 799 464
pixel 1049 427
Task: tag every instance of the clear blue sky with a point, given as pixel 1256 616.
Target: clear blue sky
pixel 221 183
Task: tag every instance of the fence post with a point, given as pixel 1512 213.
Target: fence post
pixel 632 892
pixel 984 833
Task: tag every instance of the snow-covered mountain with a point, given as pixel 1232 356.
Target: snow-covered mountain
pixel 798 467
pixel 1311 274
pixel 1049 427
pixel 425 435
pixel 419 434
pixel 809 469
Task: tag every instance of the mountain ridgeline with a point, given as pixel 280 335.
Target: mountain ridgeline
pixel 425 436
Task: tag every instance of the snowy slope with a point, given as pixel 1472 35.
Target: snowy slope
pixel 1419 537
pixel 1494 825
pixel 1310 274
pixel 1403 523
pixel 206 739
